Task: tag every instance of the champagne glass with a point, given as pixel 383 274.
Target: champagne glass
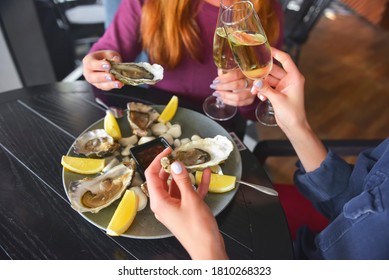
pixel 251 49
pixel 213 106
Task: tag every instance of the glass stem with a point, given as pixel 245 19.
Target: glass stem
pixel 270 107
pixel 219 103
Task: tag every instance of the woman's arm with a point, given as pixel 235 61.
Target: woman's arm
pixel 285 89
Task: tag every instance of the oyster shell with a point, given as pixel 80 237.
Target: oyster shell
pixel 141 116
pixel 131 73
pixel 201 153
pixel 94 194
pixel 95 143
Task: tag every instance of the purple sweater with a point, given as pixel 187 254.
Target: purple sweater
pixel 190 78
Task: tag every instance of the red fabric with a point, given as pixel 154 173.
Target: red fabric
pixel 298 210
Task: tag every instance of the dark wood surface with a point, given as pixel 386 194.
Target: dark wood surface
pixel 39 124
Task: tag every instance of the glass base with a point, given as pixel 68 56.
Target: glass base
pixel 265 114
pixel 215 109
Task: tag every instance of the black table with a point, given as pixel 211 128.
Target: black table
pixel 37 127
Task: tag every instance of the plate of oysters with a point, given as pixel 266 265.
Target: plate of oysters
pixel 97 196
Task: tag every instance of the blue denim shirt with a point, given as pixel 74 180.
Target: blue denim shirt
pixel 356 199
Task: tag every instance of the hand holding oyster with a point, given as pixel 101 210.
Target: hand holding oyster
pixel 131 73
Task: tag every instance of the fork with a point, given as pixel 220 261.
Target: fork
pixel 260 188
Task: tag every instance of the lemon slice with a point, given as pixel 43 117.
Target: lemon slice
pixel 219 183
pixel 124 214
pixel 169 111
pixel 83 165
pixel 111 126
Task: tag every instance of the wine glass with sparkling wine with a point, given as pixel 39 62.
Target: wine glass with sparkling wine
pixel 250 48
pixel 213 106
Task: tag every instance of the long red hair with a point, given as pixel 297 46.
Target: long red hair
pixel 168 27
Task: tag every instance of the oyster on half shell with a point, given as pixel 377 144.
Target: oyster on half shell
pixel 95 143
pixel 131 73
pixel 201 153
pixel 94 194
pixel 141 116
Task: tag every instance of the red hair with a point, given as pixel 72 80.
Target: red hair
pixel 170 26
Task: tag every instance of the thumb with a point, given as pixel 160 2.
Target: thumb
pixel 263 90
pixel 181 177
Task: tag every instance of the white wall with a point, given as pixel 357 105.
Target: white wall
pixel 9 78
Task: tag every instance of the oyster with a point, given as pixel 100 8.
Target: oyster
pixel 136 73
pixel 94 194
pixel 95 143
pixel 141 116
pixel 201 153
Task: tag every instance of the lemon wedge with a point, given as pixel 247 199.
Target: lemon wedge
pixel 111 126
pixel 83 165
pixel 219 183
pixel 169 111
pixel 124 214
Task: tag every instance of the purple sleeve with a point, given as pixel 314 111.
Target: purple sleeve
pixel 123 34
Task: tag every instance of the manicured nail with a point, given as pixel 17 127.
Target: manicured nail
pixel 176 167
pixel 258 83
pixel 216 94
pixel 216 81
pixel 253 90
pixel 212 86
pixel 115 57
pixel 106 66
pixel 108 78
pixel 116 85
pixel 261 97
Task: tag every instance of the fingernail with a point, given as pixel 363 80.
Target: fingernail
pixel 253 90
pixel 116 85
pixel 261 97
pixel 216 94
pixel 258 83
pixel 106 66
pixel 212 86
pixel 115 57
pixel 216 81
pixel 108 78
pixel 176 167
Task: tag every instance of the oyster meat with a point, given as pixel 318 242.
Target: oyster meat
pixel 94 194
pixel 131 73
pixel 141 116
pixel 95 143
pixel 201 153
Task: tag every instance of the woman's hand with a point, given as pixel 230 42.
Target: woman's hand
pixel 182 209
pixel 233 88
pixel 96 69
pixel 284 87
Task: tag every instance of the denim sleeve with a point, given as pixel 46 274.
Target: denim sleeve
pixel 323 185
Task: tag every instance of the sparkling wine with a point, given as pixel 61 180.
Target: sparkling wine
pixel 252 53
pixel 222 54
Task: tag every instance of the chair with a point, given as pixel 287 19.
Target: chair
pixel 300 17
pixel 70 28
pixel 298 210
pixel 283 148
pixel 57 39
pixel 84 21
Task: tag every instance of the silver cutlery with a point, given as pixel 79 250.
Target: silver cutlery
pixel 260 188
pixel 116 111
